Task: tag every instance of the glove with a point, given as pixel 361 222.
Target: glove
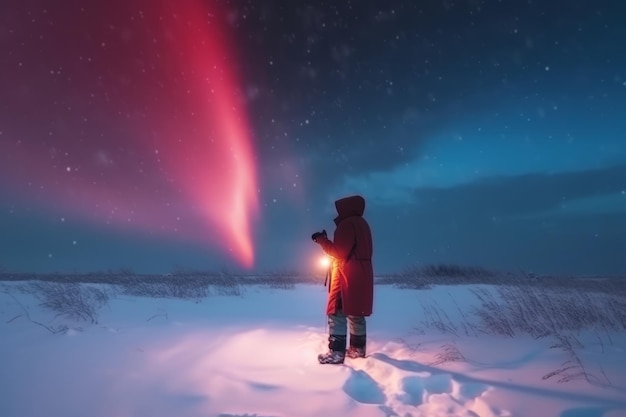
pixel 317 235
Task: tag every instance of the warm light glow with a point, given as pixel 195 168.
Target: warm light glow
pixel 324 261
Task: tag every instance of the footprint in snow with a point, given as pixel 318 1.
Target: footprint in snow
pixel 413 388
pixel 427 391
pixel 363 388
pixel 438 384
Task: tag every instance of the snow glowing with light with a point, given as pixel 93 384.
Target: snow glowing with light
pixel 253 353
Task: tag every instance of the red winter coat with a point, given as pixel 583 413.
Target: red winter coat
pixel 352 275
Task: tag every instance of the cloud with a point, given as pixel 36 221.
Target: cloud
pixel 569 222
pixel 527 194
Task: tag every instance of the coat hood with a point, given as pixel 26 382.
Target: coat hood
pixel 349 206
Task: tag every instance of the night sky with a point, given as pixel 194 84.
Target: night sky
pixel 155 136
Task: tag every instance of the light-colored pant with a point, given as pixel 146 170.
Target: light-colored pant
pixel 338 324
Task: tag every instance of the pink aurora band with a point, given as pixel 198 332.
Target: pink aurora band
pixel 151 133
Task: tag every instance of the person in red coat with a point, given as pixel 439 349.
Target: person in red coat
pixel 351 287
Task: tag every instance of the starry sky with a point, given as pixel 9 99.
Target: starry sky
pixel 159 136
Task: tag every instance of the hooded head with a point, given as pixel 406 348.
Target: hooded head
pixel 349 206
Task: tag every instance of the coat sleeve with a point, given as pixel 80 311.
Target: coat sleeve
pixel 343 242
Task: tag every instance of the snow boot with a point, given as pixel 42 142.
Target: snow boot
pixel 357 347
pixel 336 350
pixel 332 357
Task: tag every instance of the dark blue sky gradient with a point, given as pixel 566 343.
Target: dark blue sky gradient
pixel 484 133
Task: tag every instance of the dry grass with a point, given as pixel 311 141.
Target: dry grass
pixel 70 301
pixel 510 305
pixel 281 279
pixel 431 275
pixel 79 297
pixel 539 311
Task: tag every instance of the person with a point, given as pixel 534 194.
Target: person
pixel 351 288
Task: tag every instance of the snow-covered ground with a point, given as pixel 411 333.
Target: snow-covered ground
pixel 251 351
